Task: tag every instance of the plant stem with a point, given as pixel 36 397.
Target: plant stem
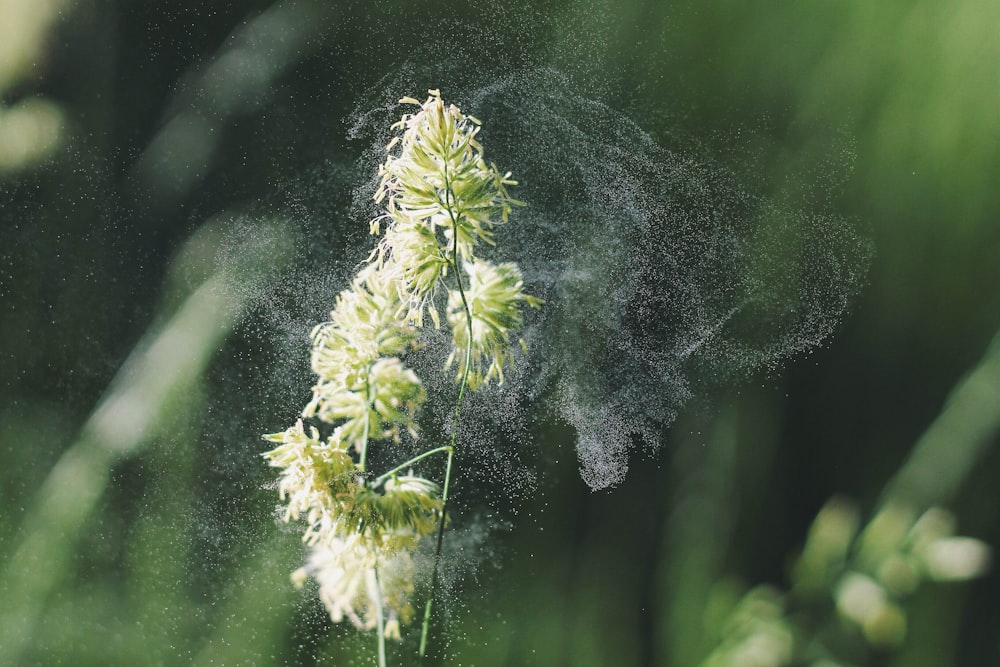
pixel 380 622
pixel 463 383
pixel 437 557
pixel 368 418
pixel 430 452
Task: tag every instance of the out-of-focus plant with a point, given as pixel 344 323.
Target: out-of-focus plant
pixel 441 199
pixel 848 585
pixel 148 398
pixel 31 128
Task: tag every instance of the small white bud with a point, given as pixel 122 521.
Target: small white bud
pixel 955 558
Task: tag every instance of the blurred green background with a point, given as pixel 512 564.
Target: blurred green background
pixel 156 163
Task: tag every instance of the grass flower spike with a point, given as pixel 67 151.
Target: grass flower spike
pixel 349 586
pixel 441 199
pixel 493 298
pixel 315 474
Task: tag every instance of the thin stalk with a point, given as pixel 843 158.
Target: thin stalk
pixel 437 556
pixel 463 383
pixel 368 418
pixel 380 622
pixel 364 443
pixel 430 452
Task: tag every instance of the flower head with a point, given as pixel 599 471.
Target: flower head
pixel 411 252
pixel 315 474
pixel 358 576
pixel 411 509
pixel 441 199
pixel 493 298
pixel 435 175
pixel 359 379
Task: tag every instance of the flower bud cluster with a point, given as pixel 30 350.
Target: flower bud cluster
pixel 441 199
pixel 896 553
pixel 864 575
pixel 356 358
pixel 492 299
pixel 345 568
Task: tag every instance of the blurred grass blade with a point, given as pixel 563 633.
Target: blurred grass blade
pixel 137 408
pixel 236 80
pixel 955 441
pixel 24 34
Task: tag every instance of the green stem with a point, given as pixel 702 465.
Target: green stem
pixel 437 556
pixel 368 418
pixel 430 452
pixel 463 383
pixel 380 622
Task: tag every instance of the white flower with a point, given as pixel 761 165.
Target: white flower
pixel 345 569
pixel 943 556
pixel 493 297
pixel 363 326
pixel 314 472
pixel 862 600
pixel 441 199
pixel 411 253
pixel 412 503
pixel 439 177
pixel 360 381
pixel 955 558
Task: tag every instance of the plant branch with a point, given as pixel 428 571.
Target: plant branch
pixel 368 417
pixel 380 621
pixel 463 383
pixel 430 452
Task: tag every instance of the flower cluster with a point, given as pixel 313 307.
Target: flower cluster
pixel 864 576
pixel 441 199
pixel 492 299
pixel 893 556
